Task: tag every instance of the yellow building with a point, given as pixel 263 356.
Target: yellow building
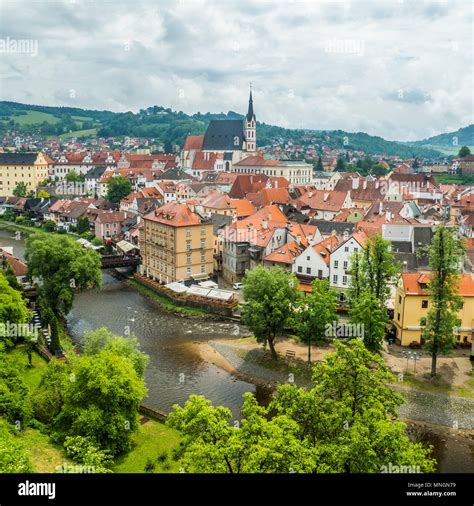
pixel 29 168
pixel 176 244
pixel 412 304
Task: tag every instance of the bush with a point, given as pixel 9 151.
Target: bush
pixel 149 466
pixel 49 226
pixel 162 456
pixel 84 450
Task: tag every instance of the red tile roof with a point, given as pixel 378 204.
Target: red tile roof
pixel 412 282
pixel 193 142
pixel 175 215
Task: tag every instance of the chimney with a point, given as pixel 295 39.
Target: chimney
pixel 310 194
pixel 355 183
pixel 376 184
pixel 264 224
pixel 298 239
pixel 326 196
pixel 364 186
pixel 380 207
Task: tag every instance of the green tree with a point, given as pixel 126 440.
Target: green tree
pixel 375 270
pixel 313 312
pixel 445 255
pixel 20 190
pixel 211 444
pixel 13 311
pixel 14 400
pixel 55 339
pixel 102 402
pixel 269 294
pixel 102 339
pixel 118 187
pixel 350 415
pixel 319 165
pixel 43 194
pixel 13 457
pixel 367 312
pixel 63 266
pixel 49 226
pixel 83 225
pixel 340 165
pixel 464 151
pixel 73 177
pixel 48 398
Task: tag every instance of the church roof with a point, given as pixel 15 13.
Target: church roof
pixel 224 135
pixel 250 113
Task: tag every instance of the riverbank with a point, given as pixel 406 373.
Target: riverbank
pixel 248 361
pixel 168 305
pixel 15 227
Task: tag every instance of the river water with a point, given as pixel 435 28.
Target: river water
pixel 176 368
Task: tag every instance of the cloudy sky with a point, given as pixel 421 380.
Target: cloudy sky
pixel 401 69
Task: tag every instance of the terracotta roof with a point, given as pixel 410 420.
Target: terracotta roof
pixel 256 161
pixel 324 248
pixel 193 142
pixel 321 200
pixel 205 161
pixel 217 200
pixel 243 208
pixel 110 217
pixel 285 254
pixel 247 183
pixel 175 215
pixel 19 267
pixel 412 282
pixel 305 232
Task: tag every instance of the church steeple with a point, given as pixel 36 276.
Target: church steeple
pixel 250 113
pixel 251 126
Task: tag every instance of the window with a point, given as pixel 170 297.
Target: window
pixel 398 316
pixel 346 249
pixel 334 279
pixel 399 299
pixel 188 245
pixel 345 265
pixel 320 273
pixel 308 258
pixel 308 270
pixel 336 264
pixel 188 270
pixel 203 243
pixel 344 280
pixel 203 268
pixel 424 304
pixel 300 269
pixel 188 232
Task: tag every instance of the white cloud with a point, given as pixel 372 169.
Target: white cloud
pixel 399 69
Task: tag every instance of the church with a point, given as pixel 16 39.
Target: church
pixel 226 142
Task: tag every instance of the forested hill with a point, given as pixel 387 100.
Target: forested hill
pixel 171 127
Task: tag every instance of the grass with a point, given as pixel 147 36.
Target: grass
pixel 13 227
pixel 165 303
pixel 437 386
pixel 281 364
pixel 34 118
pixel 151 440
pixel 91 132
pixel 44 455
pixel 31 375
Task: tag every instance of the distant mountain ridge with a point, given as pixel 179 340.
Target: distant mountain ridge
pixel 172 127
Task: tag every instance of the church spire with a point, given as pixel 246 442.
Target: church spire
pixel 250 113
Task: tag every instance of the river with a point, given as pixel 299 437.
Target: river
pixel 176 368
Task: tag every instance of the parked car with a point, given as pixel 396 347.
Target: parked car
pixel 237 286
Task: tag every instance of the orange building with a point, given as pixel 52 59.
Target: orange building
pixel 176 244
